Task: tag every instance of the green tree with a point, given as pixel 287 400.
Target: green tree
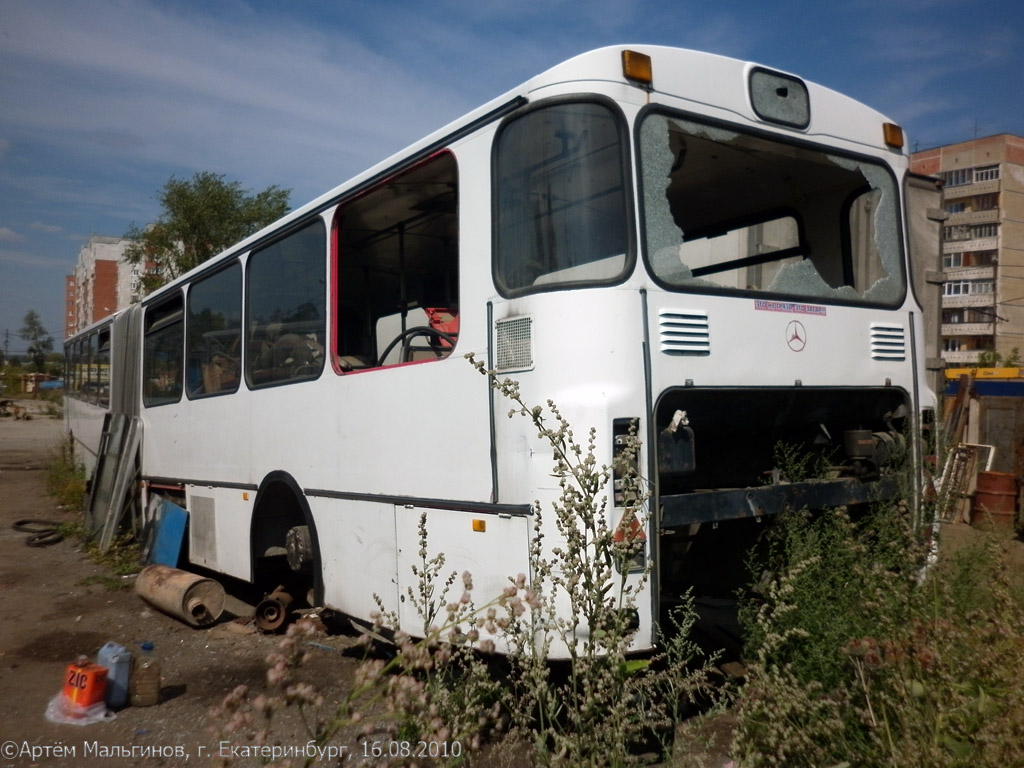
pixel 201 217
pixel 989 358
pixel 40 343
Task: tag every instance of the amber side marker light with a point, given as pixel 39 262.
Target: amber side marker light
pixel 480 526
pixel 893 135
pixel 637 66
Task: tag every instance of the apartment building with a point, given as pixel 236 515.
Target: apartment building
pixel 102 283
pixel 70 305
pixel 983 250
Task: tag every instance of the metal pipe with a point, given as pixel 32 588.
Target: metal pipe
pixel 193 599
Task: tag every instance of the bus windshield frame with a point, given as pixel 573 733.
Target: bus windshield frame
pixel 747 213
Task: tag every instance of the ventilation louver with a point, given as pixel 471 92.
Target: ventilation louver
pixel 684 332
pixel 888 342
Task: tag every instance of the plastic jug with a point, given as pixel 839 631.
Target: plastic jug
pixel 118 661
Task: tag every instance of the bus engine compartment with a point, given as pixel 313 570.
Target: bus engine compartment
pixel 729 459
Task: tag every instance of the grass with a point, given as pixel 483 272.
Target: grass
pixel 65 479
pixel 66 484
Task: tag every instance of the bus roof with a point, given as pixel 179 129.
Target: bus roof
pixel 720 91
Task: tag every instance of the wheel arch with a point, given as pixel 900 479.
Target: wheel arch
pixel 280 504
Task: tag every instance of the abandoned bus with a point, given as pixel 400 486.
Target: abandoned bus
pixel 713 250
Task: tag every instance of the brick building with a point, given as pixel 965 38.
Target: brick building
pixel 101 284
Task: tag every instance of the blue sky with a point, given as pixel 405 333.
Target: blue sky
pixel 102 102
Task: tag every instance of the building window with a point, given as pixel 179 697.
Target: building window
pixel 987 173
pixel 957 233
pixel 967 287
pixel 952 260
pixel 986 202
pixel 956 207
pixel 951 345
pixel 985 230
pixel 956 178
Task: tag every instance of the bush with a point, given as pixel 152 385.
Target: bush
pixel 858 656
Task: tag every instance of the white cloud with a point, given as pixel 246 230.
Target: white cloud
pixel 147 84
pixel 41 227
pixel 8 235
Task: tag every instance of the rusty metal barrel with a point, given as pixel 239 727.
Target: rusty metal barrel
pixel 995 501
pixel 187 596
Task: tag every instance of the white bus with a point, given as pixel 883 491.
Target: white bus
pixel 715 250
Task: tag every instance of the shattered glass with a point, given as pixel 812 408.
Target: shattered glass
pixel 730 211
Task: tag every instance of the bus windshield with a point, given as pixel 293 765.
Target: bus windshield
pixel 732 212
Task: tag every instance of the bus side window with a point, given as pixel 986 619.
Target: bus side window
pixel 93 369
pixel 396 264
pixel 286 310
pixel 561 194
pixel 214 333
pixel 163 352
pixel 103 368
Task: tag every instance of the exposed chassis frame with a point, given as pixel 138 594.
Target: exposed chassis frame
pixel 682 509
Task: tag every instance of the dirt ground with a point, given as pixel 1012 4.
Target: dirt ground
pixel 55 604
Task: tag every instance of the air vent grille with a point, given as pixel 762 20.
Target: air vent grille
pixel 684 332
pixel 513 344
pixel 888 342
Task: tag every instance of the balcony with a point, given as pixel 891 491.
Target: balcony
pixel 962 357
pixel 968 329
pixel 970 190
pixel 969 273
pixel 970 300
pixel 990 216
pixel 981 244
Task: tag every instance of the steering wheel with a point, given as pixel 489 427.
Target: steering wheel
pixel 409 334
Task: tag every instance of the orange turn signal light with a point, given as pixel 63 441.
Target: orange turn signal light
pixel 637 66
pixel 893 135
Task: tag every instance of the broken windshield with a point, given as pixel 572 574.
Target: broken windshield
pixel 731 211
